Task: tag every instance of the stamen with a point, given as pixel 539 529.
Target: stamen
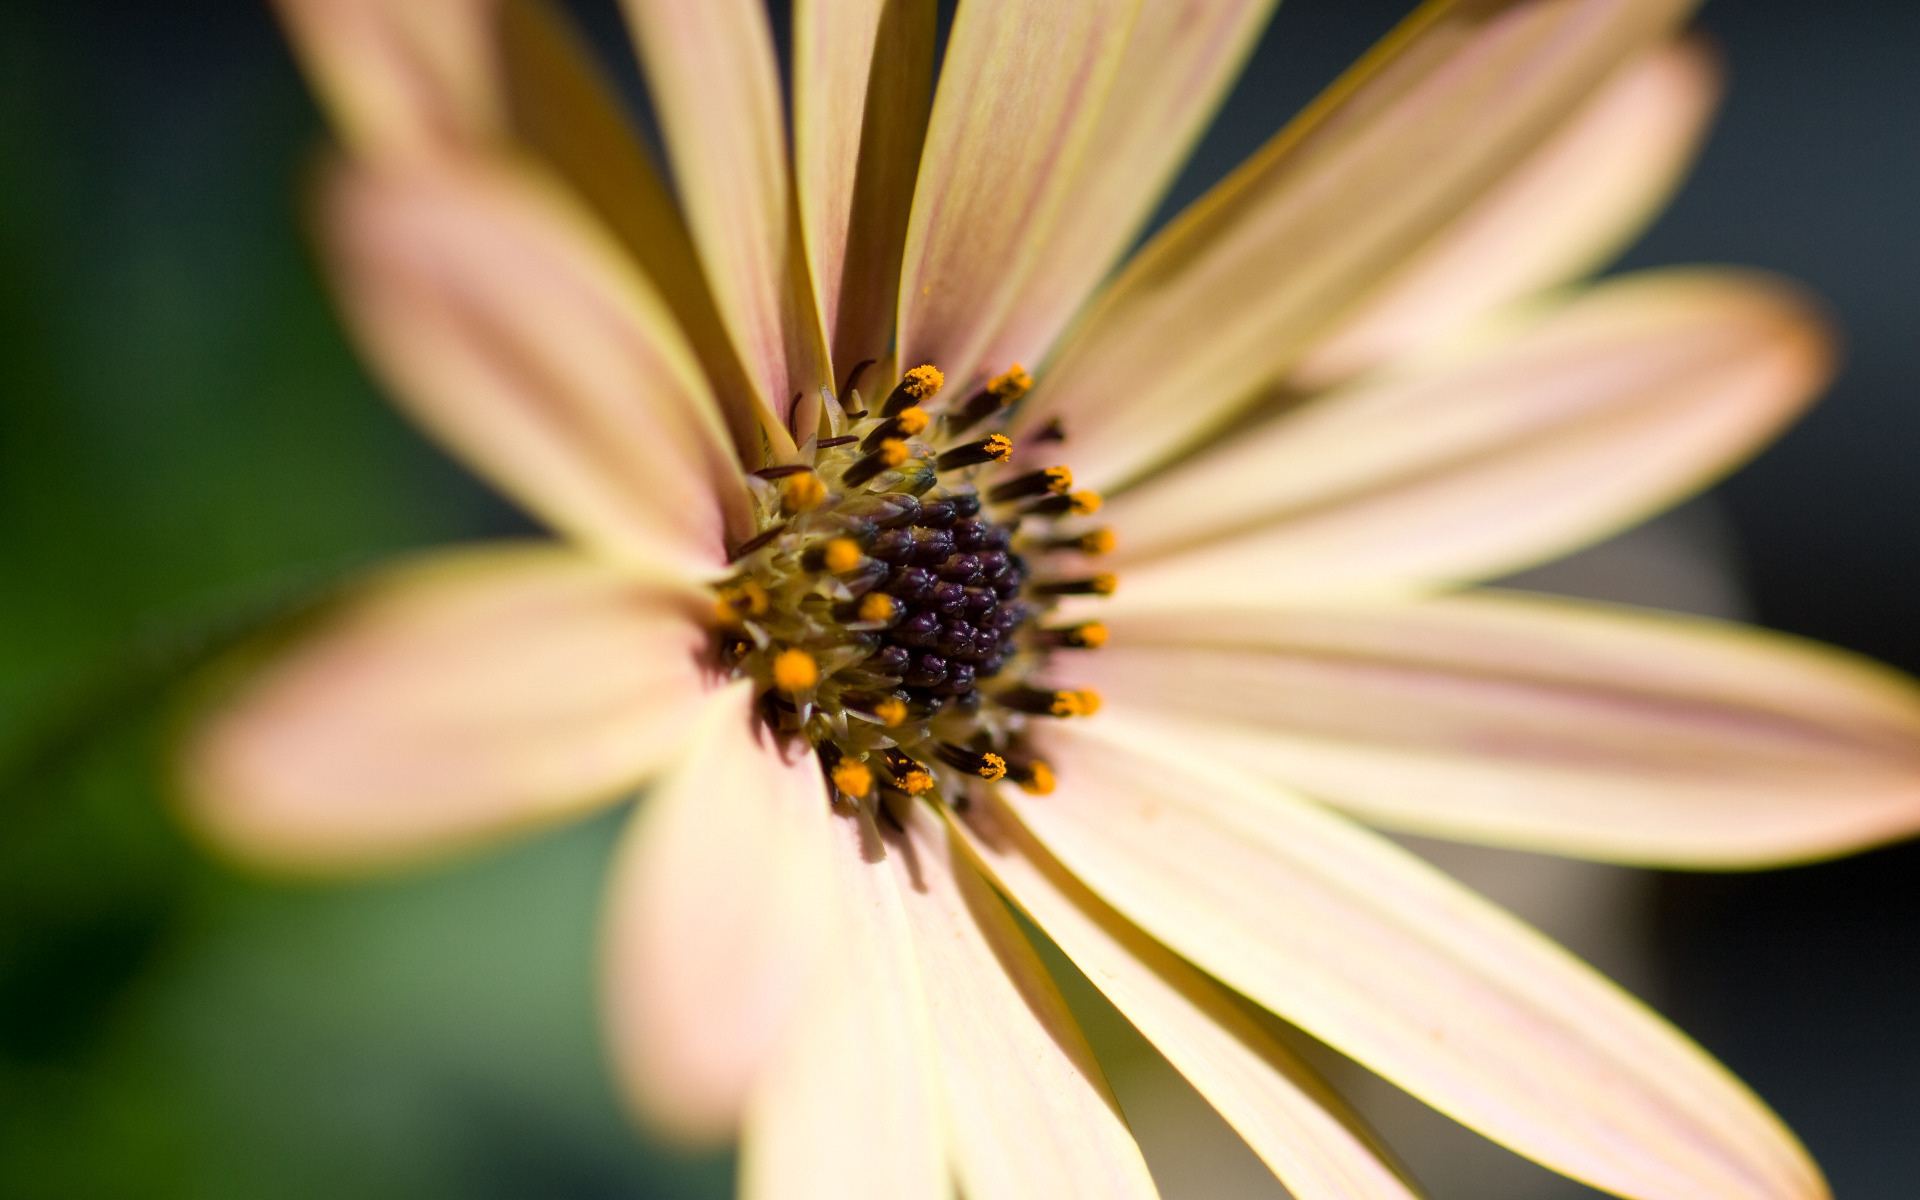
pixel 853 777
pixel 794 670
pixel 1052 431
pixel 876 607
pixel 1097 585
pixel 756 542
pixel 841 555
pixel 992 448
pixel 1079 504
pixel 746 598
pixel 906 423
pixel 802 493
pixel 844 440
pixel 1034 777
pixel 888 455
pixel 1092 542
pixel 853 377
pixel 1090 636
pixel 1000 391
pixel 917 386
pixel 1049 704
pixel 1055 480
pixel 988 766
pixel 891 710
pixel 908 775
pixel 781 472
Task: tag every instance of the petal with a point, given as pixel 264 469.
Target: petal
pixel 1180 60
pixel 1581 421
pixel 716 89
pixel 1232 294
pixel 862 82
pixel 512 327
pixel 717 923
pixel 1028 1110
pixel 1291 1118
pixel 852 1109
pixel 446 701
pixel 1541 724
pixel 1575 203
pixel 1020 94
pixel 1392 963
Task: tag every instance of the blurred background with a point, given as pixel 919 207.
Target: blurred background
pixel 187 447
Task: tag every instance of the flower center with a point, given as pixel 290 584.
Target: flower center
pixel 892 609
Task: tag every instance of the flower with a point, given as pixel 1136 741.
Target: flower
pixel 834 586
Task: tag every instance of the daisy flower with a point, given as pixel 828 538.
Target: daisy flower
pixel 826 427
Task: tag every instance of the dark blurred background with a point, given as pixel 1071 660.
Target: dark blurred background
pixel 187 447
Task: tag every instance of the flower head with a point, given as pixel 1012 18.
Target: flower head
pixel 834 585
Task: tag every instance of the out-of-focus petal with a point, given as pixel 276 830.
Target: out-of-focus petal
pixel 1577 423
pixel 1231 295
pixel 1287 1114
pixel 1566 210
pixel 717 923
pixel 511 326
pixel 1539 723
pixel 1020 94
pixel 862 81
pixel 716 87
pixel 1028 1111
pixel 448 701
pixel 1389 961
pixel 1179 63
pixel 851 1110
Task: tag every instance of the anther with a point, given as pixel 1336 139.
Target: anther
pixel 1000 391
pixel 802 492
pixel 888 455
pixel 988 766
pixel 1079 504
pixel 746 598
pixel 992 448
pixel 1090 636
pixel 917 386
pixel 853 378
pixel 763 538
pixel 891 710
pixel 876 607
pixel 1034 777
pixel 1050 481
pixel 908 775
pixel 794 670
pixel 844 440
pixel 782 471
pixel 1043 703
pixel 906 423
pixel 1097 585
pixel 1094 541
pixel 853 777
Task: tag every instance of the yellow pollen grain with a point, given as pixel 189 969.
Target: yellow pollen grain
pixel 1036 779
pixel 1065 704
pixel 1089 702
pixel 853 777
pixel 892 711
pixel 993 768
pixel 794 670
pixel 999 448
pixel 911 421
pixel 876 606
pixel 914 781
pixel 892 452
pixel 747 597
pixel 1011 385
pixel 1096 541
pixel 842 555
pixel 1104 585
pixel 1090 636
pixel 726 614
pixel 1084 503
pixel 801 493
pixel 925 382
pixel 1059 480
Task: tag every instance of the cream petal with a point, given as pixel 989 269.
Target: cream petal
pixel 851 1109
pixel 1020 94
pixel 1539 723
pixel 717 923
pixel 1027 1109
pixel 513 328
pixel 1287 1114
pixel 1578 422
pixel 862 83
pixel 1179 62
pixel 1574 204
pixel 716 88
pixel 1389 961
pixel 1231 295
pixel 447 701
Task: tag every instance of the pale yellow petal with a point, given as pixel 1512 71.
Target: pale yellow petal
pixel 1230 296
pixel 1020 94
pixel 717 923
pixel 1539 723
pixel 862 84
pixel 510 325
pixel 444 702
pixel 1180 60
pixel 1287 1114
pixel 715 85
pixel 851 1109
pixel 1578 422
pixel 1028 1111
pixel 1389 961
pixel 1569 208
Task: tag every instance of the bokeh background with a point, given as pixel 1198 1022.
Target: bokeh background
pixel 187 448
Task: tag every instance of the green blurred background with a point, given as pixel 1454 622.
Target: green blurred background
pixel 187 448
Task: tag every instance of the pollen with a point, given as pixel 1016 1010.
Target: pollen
pixel 1084 504
pixel 1011 385
pixel 891 711
pixel 1034 778
pixel 853 777
pixel 842 555
pixel 893 452
pixel 794 670
pixel 911 422
pixel 876 606
pixel 747 598
pixel 802 493
pixel 1095 541
pixel 924 382
pixel 992 768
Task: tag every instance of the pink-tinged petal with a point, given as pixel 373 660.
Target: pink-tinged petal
pixel 1230 296
pixel 1287 1114
pixel 445 702
pixel 862 84
pixel 851 1109
pixel 716 88
pixel 510 325
pixel 1578 422
pixel 1020 95
pixel 1539 723
pixel 717 923
pixel 1569 208
pixel 1179 63
pixel 1027 1109
pixel 1389 961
